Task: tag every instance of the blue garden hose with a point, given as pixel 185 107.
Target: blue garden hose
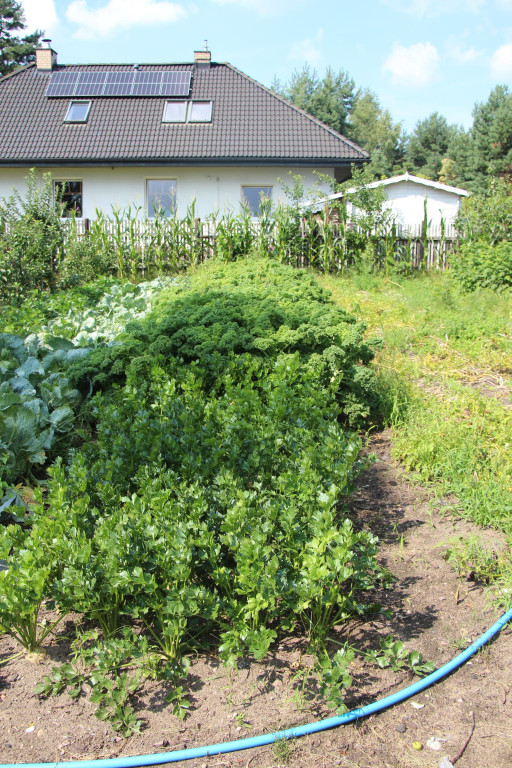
pixel 290 733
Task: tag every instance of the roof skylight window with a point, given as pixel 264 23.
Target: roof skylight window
pixel 78 112
pixel 200 112
pixel 188 112
pixel 175 111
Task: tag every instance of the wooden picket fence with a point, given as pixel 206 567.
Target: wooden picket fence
pixel 411 245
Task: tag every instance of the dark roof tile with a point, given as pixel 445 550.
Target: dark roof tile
pixel 250 124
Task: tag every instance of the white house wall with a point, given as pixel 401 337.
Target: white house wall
pixel 214 189
pixel 406 199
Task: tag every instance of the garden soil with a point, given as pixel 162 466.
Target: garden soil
pixel 466 718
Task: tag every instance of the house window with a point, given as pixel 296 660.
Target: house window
pixel 175 111
pixel 78 112
pixel 200 112
pixel 252 197
pixel 70 194
pixel 161 196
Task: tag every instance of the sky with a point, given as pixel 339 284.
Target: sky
pixel 417 56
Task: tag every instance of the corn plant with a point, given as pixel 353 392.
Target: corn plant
pixel 134 238
pixel 265 227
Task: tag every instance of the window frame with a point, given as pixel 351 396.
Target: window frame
pixel 67 212
pixel 71 104
pixel 152 214
pixel 243 199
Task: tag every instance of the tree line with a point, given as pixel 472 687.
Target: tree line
pixel 435 149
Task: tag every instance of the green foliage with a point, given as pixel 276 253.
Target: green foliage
pixel 31 239
pixel 461 443
pixel 263 310
pixel 491 138
pixel 481 265
pixel 208 509
pixel 36 402
pixel 373 129
pixel 474 562
pixel 15 51
pixel 487 215
pixel 32 565
pixel 393 653
pixel 428 145
pixel 329 99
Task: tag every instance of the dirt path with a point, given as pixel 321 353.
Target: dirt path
pixel 434 613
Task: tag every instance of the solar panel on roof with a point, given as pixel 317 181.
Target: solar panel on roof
pixel 133 83
pixel 62 84
pixel 90 84
pixel 118 84
pixel 146 83
pixel 175 83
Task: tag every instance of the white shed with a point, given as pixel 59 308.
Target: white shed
pixel 406 198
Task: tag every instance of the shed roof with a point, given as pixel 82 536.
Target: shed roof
pixel 250 125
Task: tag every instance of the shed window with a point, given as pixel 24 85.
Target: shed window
pixel 161 197
pixel 70 194
pixel 175 111
pixel 78 112
pixel 252 197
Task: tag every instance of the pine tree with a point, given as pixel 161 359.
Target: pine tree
pixel 373 129
pixel 329 99
pixel 15 51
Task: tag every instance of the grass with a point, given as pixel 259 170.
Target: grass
pixel 446 357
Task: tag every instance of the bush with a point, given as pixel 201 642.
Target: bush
pixel 487 216
pixel 32 239
pixel 482 265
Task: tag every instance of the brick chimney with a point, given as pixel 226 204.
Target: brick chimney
pixel 46 57
pixel 202 59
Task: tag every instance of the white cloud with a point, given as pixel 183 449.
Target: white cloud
pixel 118 14
pixel 41 15
pixel 308 50
pixel 421 8
pixel 501 61
pixel 461 55
pixel 264 7
pixel 414 66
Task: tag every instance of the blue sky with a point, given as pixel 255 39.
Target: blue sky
pixel 418 56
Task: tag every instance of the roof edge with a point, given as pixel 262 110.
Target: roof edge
pixel 364 154
pixel 17 71
pixel 322 162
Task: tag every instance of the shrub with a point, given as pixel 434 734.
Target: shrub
pixel 482 265
pixel 487 216
pixel 32 239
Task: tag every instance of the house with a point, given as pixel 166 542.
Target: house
pixel 160 136
pixel 406 196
